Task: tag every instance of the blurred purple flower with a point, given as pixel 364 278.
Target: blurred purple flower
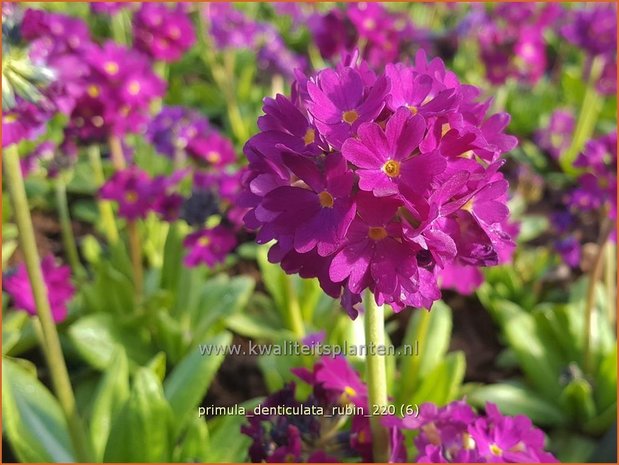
pixel 57 280
pixel 209 246
pixel 557 136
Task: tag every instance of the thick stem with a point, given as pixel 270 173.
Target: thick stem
pixel 105 207
pixel 51 342
pixel 135 247
pixel 589 112
pixel 116 152
pixel 66 229
pixel 293 313
pixel 610 281
pixel 376 373
pixel 594 277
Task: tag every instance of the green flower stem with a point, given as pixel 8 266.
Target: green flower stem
pixel 591 106
pixel 222 75
pixel 610 278
pixel 66 229
pixel 105 207
pixel 116 152
pixel 376 374
pixel 294 319
pixel 135 247
pixel 594 277
pixel 51 342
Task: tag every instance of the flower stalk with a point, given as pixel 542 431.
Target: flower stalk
pixel 589 112
pixel 594 276
pixel 374 320
pixel 116 152
pixel 66 229
pixel 50 340
pixel 135 247
pixel 105 207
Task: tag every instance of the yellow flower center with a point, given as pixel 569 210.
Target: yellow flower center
pixel 445 129
pixel 326 199
pixel 134 88
pixel 468 442
pixel 349 391
pixel 377 233
pixel 10 118
pixel 310 136
pixel 468 206
pixel 111 68
pixel 131 197
pixel 496 450
pixel 97 121
pixel 369 23
pixel 204 241
pixel 174 32
pixel 392 168
pixel 94 91
pixel 413 109
pixel 213 156
pixel 350 116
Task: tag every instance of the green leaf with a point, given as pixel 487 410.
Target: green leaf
pixel 13 324
pixel 194 446
pixel 606 381
pixel 514 399
pixel 273 277
pixel 224 431
pixel 32 419
pixel 96 337
pixel 141 431
pixel 112 393
pixel 255 326
pixel 430 331
pixel 577 400
pixel 189 381
pixel 442 384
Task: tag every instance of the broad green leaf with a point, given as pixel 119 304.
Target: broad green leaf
pixel 96 337
pixel 513 399
pixel 13 324
pixel 602 422
pixel 606 381
pixel 430 332
pixel 442 384
pixel 577 400
pixel 112 393
pixel 254 326
pixel 189 381
pixel 194 445
pixel 32 419
pixel 273 277
pixel 228 445
pixel 141 430
pixel 533 355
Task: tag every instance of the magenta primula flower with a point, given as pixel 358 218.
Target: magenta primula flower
pixel 368 182
pixel 209 246
pixel 134 190
pixel 57 280
pixel 162 32
pixel 557 137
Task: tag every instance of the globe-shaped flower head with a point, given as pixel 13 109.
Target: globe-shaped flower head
pixel 377 182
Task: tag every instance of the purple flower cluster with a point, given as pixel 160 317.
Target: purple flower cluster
pixel 385 35
pixel 594 29
pixel 306 437
pixel 230 28
pixel 118 92
pixel 557 136
pixel 511 41
pixel 378 181
pixel 57 280
pixel 174 128
pixel 598 184
pixel 455 433
pixel 163 33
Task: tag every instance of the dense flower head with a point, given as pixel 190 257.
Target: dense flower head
pixel 593 28
pixel 117 96
pixel 209 246
pixel 162 32
pixel 455 433
pixel 557 136
pixel 54 33
pixel 511 40
pixel 174 128
pixel 26 121
pixel 57 280
pixel 137 193
pixel 386 35
pixel 377 182
pixel 598 183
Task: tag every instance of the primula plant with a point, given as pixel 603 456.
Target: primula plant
pixel 309 232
